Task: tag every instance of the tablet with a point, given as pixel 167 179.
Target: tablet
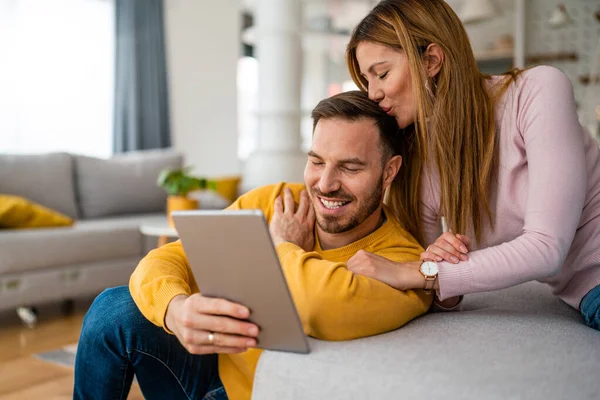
pixel 232 256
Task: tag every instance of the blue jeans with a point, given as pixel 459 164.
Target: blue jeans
pixel 590 308
pixel 117 341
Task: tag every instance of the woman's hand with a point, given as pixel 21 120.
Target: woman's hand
pixel 289 224
pixel 401 276
pixel 448 247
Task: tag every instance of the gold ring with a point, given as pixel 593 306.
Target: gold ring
pixel 211 338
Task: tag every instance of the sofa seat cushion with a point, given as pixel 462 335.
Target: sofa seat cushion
pixel 85 242
pixel 518 343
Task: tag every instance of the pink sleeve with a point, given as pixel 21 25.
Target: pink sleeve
pixel 554 151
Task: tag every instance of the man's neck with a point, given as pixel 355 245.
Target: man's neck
pixel 330 241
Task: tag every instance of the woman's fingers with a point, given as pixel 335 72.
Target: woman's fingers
pixel 311 213
pixel 303 205
pixel 466 241
pixel 278 207
pixel 457 246
pixel 446 255
pixel 427 255
pixel 450 248
pixel 288 202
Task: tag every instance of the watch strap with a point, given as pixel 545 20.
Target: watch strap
pixel 429 282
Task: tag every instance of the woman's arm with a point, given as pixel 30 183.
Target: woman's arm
pixel 336 304
pixel 555 158
pixel 556 188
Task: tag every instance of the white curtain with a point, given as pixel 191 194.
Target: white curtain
pixel 56 76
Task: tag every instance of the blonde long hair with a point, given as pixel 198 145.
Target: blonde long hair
pixel 455 121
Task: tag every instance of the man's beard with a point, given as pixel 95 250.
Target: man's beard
pixel 331 224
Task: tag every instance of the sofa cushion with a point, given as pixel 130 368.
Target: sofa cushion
pixel 19 213
pixel 518 343
pixel 46 179
pixel 123 184
pixel 228 187
pixel 87 241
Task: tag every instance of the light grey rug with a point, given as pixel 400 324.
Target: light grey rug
pixel 64 356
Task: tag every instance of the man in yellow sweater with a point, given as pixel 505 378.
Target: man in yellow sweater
pixel 182 345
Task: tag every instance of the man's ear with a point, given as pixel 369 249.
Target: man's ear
pixel 433 60
pixel 391 170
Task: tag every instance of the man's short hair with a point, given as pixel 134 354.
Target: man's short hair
pixel 355 105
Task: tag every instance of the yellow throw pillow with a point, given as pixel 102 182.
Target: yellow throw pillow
pixel 18 213
pixel 228 187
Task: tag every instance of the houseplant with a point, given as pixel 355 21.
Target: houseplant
pixel 178 183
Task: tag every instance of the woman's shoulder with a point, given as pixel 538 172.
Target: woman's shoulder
pixel 544 75
pixel 530 89
pixel 541 78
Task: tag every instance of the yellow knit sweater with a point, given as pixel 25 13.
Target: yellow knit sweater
pixel 333 303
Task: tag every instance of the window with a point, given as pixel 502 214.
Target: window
pixel 57 76
pixel 247 89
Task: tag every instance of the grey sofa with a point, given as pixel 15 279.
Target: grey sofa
pixel 518 343
pixel 109 199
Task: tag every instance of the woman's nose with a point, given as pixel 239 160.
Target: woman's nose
pixel 375 94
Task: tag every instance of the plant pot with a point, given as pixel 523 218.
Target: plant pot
pixel 178 203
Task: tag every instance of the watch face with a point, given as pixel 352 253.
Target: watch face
pixel 429 268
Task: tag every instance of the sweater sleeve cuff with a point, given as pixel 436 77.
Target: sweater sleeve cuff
pixel 162 299
pixel 436 307
pixel 285 248
pixel 454 279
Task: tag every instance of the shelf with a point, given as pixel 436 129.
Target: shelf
pixel 586 79
pixel 502 56
pixel 495 56
pixel 548 57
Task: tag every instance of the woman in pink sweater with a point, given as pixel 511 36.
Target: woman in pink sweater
pixel 502 158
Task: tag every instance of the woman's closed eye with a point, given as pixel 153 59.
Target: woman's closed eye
pixel 382 76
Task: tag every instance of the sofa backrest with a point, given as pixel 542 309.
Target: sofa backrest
pixel 123 184
pixel 46 179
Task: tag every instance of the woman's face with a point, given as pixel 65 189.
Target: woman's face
pixel 388 75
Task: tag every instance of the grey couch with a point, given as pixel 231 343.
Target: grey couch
pixel 518 343
pixel 109 199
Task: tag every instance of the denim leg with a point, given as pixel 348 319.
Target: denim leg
pixel 117 341
pixel 590 308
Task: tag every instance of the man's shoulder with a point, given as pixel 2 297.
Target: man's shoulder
pixel 274 190
pixel 398 236
pixel 263 197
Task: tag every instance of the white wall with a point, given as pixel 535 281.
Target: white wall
pixel 202 40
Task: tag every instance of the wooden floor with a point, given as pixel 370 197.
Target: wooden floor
pixel 24 377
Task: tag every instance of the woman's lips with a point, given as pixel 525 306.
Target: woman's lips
pixel 386 109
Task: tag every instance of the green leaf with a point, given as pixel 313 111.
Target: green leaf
pixel 179 182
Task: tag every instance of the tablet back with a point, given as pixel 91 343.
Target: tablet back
pixel 232 257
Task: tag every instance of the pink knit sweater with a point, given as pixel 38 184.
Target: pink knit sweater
pixel 546 201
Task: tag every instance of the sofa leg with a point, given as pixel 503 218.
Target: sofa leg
pixel 68 306
pixel 28 315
